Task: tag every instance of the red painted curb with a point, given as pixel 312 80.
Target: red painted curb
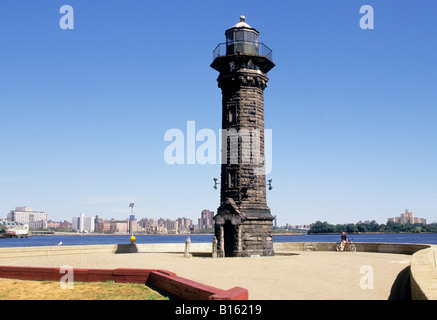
pixel 161 280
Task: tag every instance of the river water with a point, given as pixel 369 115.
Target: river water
pixel 70 240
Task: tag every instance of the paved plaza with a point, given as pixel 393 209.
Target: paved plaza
pixel 303 275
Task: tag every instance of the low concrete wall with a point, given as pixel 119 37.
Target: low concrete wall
pixel 398 248
pixel 303 246
pixel 284 247
pixel 423 274
pixel 30 252
pixel 169 247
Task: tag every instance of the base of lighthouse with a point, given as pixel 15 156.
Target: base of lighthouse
pixel 243 231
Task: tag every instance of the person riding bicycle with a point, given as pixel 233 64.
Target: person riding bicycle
pixel 343 241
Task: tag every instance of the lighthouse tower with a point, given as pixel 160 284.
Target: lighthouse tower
pixel 243 223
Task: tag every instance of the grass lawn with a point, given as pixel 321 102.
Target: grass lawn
pixel 12 289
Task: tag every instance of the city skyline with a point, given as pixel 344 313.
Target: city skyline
pixel 84 111
pixel 205 220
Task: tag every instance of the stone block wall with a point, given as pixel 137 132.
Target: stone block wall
pixel 257 238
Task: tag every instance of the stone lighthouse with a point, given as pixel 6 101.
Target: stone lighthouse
pixel 243 223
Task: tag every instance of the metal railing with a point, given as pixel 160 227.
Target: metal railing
pixel 257 48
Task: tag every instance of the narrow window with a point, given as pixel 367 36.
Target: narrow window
pixel 231 179
pixel 231 115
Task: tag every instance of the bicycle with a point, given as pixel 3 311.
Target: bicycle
pixel 348 246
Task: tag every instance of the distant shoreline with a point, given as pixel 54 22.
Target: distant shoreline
pixel 152 234
pixel 121 234
pixel 98 239
pixel 211 234
pixel 352 233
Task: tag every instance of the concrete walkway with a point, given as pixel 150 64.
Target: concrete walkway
pixel 303 275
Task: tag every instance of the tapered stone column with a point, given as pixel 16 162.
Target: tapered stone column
pixel 243 222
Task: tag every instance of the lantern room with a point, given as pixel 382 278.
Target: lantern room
pixel 242 38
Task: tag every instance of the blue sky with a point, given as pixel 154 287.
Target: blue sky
pixel 83 112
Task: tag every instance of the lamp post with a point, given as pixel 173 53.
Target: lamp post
pixel 131 220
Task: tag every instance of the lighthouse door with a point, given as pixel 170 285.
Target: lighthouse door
pixel 229 237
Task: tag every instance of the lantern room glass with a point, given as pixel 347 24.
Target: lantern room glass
pixel 240 40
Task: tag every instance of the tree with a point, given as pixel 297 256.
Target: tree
pixel 374 226
pixel 321 227
pixel 350 227
pixel 362 227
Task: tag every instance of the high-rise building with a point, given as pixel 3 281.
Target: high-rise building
pixel 35 219
pixel 83 223
pixel 206 219
pixel 149 225
pixel 184 224
pixel 119 226
pixel 102 226
pixel 171 226
pixel 407 217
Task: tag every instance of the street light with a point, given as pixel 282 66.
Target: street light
pixel 131 222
